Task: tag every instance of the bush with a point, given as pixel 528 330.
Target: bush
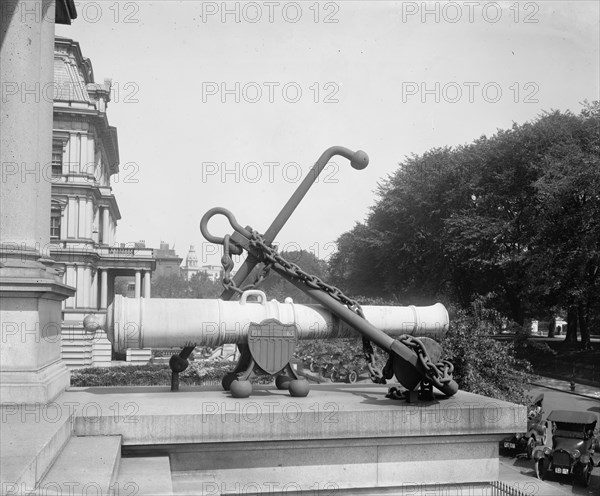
pixel 197 374
pixel 536 349
pixel 483 365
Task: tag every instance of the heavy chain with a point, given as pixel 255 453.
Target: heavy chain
pixel 439 374
pixel 271 256
pixel 227 263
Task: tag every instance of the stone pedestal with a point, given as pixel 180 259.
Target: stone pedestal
pixel 339 437
pixel 31 368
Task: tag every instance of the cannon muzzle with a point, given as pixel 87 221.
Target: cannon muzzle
pixel 162 323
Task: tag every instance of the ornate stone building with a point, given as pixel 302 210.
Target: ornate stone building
pixel 85 155
pixel 191 264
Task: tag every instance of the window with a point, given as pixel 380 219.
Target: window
pixel 55 224
pixel 57 158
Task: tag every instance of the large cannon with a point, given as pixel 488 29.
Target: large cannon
pixel 267 331
pixel 170 323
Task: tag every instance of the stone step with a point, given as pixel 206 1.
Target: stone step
pixel 145 476
pixel 32 437
pixel 87 465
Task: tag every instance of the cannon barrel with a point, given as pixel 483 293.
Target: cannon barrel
pixel 160 323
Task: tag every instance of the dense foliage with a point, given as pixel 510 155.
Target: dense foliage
pixel 510 221
pixel 176 286
pixel 197 374
pixel 483 365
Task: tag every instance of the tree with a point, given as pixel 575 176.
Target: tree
pixel 201 285
pixel 510 220
pixel 566 246
pixel 170 286
pixel 176 286
pixel 400 246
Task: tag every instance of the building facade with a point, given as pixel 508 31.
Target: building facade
pixel 84 216
pixel 167 261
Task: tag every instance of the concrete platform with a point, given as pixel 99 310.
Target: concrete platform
pixel 342 437
pixel 156 416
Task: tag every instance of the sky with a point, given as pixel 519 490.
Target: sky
pixel 230 103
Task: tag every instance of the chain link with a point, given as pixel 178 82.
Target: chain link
pixel 227 263
pixel 439 373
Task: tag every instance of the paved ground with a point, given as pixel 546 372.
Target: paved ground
pixel 557 396
pixel 565 386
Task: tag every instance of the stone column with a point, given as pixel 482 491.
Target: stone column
pixel 103 288
pixel 72 218
pixel 147 284
pixel 94 291
pixel 31 290
pixel 87 286
pixel 138 284
pixel 105 226
pixel 89 165
pixel 81 211
pixel 63 223
pixel 71 280
pixel 79 285
pixel 95 224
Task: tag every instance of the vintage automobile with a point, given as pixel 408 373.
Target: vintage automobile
pixel 536 431
pixel 572 446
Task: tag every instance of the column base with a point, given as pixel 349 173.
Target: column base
pixel 31 370
pixel 34 386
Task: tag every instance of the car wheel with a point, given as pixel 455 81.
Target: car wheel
pixel 352 377
pixel 585 474
pixel 530 445
pixel 540 469
pixel 334 376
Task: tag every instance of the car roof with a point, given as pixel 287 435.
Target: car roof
pixel 571 417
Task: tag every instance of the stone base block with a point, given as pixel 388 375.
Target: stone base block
pixel 34 387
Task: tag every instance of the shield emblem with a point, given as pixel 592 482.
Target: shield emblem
pixel 272 344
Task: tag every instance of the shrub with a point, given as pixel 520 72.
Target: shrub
pixel 483 365
pixel 197 374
